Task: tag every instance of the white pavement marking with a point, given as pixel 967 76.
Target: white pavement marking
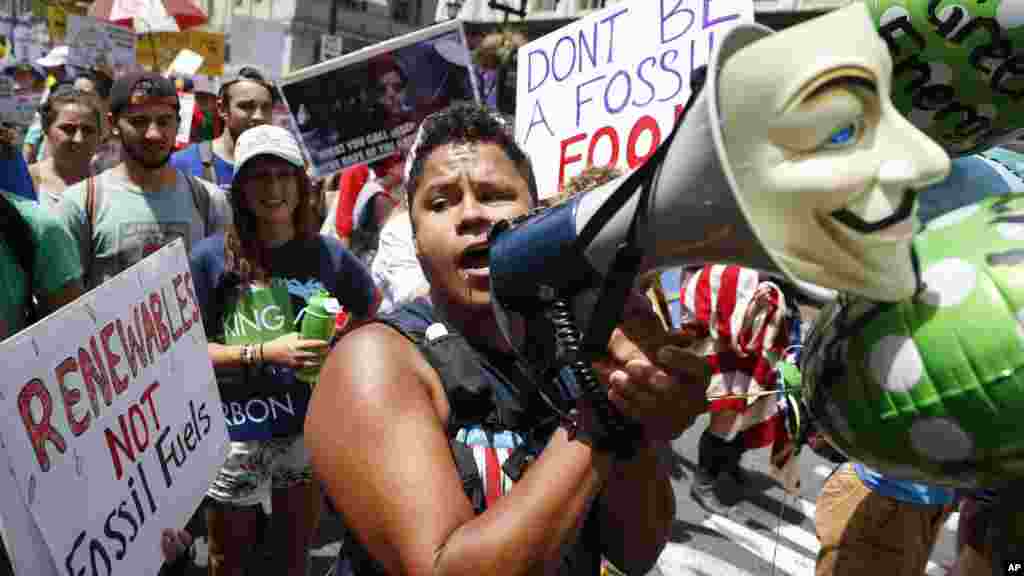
pixel 953 521
pixel 680 560
pixel 786 560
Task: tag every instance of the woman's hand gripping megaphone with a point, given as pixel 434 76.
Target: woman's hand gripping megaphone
pixel 651 376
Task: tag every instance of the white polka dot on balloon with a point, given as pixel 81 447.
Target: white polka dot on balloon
pixel 948 282
pixel 954 217
pixel 1010 14
pixel 896 364
pixel 892 14
pixel 940 440
pixel 1010 231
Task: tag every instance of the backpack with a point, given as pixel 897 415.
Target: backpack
pixel 93 199
pixel 16 232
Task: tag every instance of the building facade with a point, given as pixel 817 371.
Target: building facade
pixel 483 10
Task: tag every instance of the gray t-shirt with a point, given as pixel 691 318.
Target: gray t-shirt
pixel 131 224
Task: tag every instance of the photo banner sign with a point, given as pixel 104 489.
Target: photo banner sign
pixel 112 421
pixel 98 44
pixel 607 89
pixel 366 105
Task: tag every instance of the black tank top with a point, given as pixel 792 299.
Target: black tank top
pixel 496 426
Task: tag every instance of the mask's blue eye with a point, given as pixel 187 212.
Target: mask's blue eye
pixel 844 136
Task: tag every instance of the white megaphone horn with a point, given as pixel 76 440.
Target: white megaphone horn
pixel 691 204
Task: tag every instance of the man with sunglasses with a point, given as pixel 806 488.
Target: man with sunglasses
pixel 244 101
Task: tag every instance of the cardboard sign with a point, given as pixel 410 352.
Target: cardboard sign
pixel 159 49
pixel 606 89
pixel 366 105
pixel 98 44
pixel 111 419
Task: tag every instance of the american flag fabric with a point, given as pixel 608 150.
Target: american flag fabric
pixel 744 318
pixel 490 450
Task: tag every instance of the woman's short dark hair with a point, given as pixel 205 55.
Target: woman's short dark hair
pixel 465 122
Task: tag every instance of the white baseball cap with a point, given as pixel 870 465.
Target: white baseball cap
pixel 267 139
pixel 57 57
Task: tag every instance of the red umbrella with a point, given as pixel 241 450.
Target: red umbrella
pixel 145 16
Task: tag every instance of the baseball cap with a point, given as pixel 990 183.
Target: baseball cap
pixel 142 88
pixel 267 139
pixel 57 57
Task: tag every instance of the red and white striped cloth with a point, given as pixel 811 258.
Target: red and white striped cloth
pixel 744 318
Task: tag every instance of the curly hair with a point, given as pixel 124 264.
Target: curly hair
pixel 244 256
pixel 465 122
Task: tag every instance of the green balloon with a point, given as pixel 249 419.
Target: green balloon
pixel 932 389
pixel 958 70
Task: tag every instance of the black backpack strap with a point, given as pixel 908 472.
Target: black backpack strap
pixel 201 199
pixel 206 157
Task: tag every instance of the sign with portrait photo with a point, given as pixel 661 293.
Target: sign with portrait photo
pixel 366 105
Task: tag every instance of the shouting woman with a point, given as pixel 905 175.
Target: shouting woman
pixel 407 407
pixel 253 284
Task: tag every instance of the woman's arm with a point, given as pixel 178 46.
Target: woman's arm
pixel 637 510
pixel 376 432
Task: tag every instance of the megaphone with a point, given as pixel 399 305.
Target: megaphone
pixel 727 187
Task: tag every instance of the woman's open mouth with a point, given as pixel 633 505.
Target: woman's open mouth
pixel 475 260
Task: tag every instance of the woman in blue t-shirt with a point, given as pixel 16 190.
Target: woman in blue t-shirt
pixel 252 284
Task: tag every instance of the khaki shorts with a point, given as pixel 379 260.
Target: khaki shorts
pixel 862 532
pixel 254 468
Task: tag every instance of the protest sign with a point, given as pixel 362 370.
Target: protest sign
pixel 259 42
pixel 57 20
pixel 23 40
pixel 98 44
pixel 185 64
pixel 608 88
pixel 186 109
pixel 366 105
pixel 158 49
pixel 111 419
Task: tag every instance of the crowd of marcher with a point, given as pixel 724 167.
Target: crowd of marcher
pixel 424 433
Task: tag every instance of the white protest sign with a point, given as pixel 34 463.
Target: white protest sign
pixel 99 44
pixel 112 419
pixel 259 42
pixel 186 63
pixel 606 90
pixel 187 107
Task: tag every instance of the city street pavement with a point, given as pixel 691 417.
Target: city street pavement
pixel 752 539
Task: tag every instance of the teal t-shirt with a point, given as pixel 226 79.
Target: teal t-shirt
pixel 56 263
